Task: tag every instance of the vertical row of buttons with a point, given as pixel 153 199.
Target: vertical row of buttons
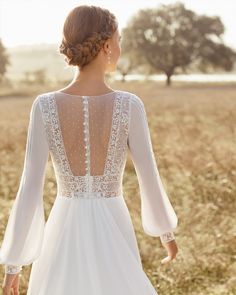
pixel 86 134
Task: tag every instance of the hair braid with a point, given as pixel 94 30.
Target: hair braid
pixel 83 52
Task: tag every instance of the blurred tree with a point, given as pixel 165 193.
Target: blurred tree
pixel 4 60
pixel 125 66
pixel 172 37
pixel 38 77
pixel 27 77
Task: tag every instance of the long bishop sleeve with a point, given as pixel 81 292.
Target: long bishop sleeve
pixel 25 228
pixel 158 216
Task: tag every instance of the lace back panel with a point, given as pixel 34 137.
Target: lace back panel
pixel 88 141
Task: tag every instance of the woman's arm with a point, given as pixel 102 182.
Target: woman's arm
pixel 158 216
pixel 25 228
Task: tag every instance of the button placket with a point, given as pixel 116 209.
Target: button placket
pixel 86 140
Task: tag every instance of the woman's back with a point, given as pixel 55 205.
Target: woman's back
pixel 87 138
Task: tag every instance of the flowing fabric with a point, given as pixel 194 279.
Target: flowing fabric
pixel 88 244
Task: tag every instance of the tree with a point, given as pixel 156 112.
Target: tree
pixel 40 76
pixel 126 65
pixel 4 60
pixel 37 76
pixel 172 37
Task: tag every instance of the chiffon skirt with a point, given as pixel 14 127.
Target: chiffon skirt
pixel 89 248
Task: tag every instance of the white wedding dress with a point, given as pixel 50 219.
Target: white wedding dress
pixel 88 244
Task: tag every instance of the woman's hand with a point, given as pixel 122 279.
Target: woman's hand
pixel 172 250
pixel 11 284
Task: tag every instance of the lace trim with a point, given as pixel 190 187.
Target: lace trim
pixel 167 237
pixel 109 165
pixel 110 183
pixel 12 269
pixel 121 142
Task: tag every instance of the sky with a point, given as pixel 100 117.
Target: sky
pixel 24 22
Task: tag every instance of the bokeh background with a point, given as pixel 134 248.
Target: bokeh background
pixel 180 59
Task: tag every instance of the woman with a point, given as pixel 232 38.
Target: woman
pixel 88 244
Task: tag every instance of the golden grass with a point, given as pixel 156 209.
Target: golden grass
pixel 193 130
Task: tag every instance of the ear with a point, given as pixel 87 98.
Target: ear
pixel 106 47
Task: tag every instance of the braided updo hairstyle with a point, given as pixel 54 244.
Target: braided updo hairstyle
pixel 85 31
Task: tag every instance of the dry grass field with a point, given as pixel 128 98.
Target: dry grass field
pixel 193 130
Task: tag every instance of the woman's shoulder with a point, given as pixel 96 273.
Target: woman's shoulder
pixel 44 94
pixel 134 98
pixel 38 102
pixel 39 98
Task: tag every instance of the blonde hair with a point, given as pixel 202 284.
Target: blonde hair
pixel 85 30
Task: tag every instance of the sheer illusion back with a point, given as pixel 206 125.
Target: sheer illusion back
pixel 86 125
pixel 88 140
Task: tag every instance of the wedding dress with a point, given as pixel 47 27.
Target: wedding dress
pixel 88 244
